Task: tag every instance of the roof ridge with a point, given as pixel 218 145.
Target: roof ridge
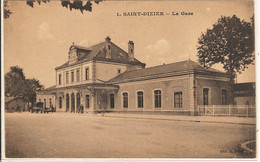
pixel 186 66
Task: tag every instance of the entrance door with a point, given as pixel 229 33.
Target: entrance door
pixel 78 101
pixel 205 96
pixel 112 101
pixel 67 102
pixel 72 102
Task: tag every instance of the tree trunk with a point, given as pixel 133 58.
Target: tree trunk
pixel 231 86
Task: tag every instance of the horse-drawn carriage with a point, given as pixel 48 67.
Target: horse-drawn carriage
pixel 39 107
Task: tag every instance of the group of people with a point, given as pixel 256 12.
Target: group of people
pixel 80 109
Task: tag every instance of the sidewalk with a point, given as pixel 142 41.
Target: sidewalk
pixel 206 119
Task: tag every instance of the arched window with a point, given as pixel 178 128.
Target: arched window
pixel 50 103
pixel 44 103
pixel 78 100
pixel 157 99
pixel 60 102
pixel 177 99
pixel 67 102
pixel 112 100
pixel 125 100
pixel 87 101
pixel 72 102
pixel 140 99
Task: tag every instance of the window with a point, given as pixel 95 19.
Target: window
pixel 72 76
pixel 59 79
pixel 77 75
pixel 40 100
pixel 60 102
pixel 87 101
pixel 87 73
pixel 108 47
pixel 224 97
pixel 50 102
pixel 178 99
pixel 157 99
pixel 67 78
pixel 125 100
pixel 205 96
pixel 131 50
pixel 140 99
pixel 112 101
pixel 67 102
pixel 118 71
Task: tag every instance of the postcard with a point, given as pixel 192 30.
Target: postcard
pixel 156 80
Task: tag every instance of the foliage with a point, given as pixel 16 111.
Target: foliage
pixel 230 42
pixel 7 12
pixel 16 85
pixel 71 4
pixel 14 81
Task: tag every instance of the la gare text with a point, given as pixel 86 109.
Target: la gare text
pixel 183 13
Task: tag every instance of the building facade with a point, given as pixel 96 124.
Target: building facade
pixel 15 104
pixel 244 93
pixel 104 77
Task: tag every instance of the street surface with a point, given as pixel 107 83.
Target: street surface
pixel 69 135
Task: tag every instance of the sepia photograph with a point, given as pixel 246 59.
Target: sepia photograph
pixel 147 79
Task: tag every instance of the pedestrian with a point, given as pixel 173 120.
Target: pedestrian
pixel 81 109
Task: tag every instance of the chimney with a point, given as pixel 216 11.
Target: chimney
pixel 131 51
pixel 108 47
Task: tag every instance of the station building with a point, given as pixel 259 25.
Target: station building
pixel 104 77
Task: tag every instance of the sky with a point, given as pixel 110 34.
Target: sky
pixel 38 39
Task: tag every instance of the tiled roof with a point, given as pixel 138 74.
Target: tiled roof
pixel 244 86
pixel 7 99
pixel 51 90
pixel 47 90
pixel 244 89
pixel 96 52
pixel 177 68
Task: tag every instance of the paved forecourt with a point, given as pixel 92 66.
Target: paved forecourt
pixel 69 135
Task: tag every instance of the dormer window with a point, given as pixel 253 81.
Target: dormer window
pixel 73 55
pixel 118 71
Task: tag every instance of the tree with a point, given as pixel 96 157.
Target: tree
pixel 16 85
pixel 71 4
pixel 14 81
pixel 231 43
pixel 30 88
pixel 7 12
